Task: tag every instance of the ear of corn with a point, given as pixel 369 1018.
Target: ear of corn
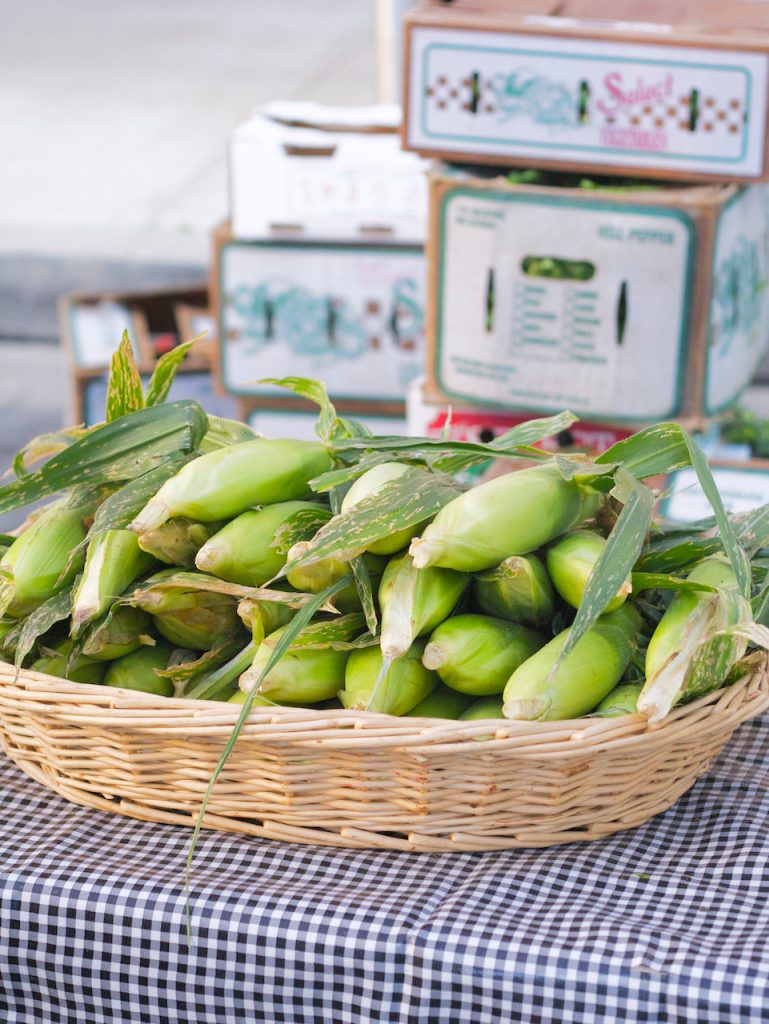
pixel 570 563
pixel 369 483
pixel 441 703
pixel 125 631
pixel 177 541
pixel 34 567
pixel 264 617
pixel 302 676
pixel 486 707
pixel 586 675
pixel 136 671
pixel 114 561
pixel 312 578
pixel 622 700
pixel 406 683
pixel 413 602
pixel 519 590
pixel 59 662
pixel 241 552
pixel 194 619
pixel 224 483
pixel 477 654
pixel 509 515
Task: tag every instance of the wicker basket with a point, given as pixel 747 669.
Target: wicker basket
pixel 365 780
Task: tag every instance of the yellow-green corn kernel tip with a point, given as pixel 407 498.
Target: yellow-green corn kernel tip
pixel 264 617
pixel 312 578
pixel 242 551
pixel 178 541
pixel 301 676
pixel 136 671
pixel 622 700
pixel 406 682
pixel 207 619
pixel 570 563
pixel 670 633
pixel 224 483
pixel 486 707
pixel 443 702
pixel 413 602
pixel 477 654
pixel 510 515
pixel 33 567
pixel 368 484
pixel 519 589
pixel 113 562
pixel 587 674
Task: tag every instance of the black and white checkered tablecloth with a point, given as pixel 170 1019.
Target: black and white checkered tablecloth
pixel 669 922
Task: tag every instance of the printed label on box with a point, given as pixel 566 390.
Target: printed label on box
pixel 554 304
pixel 95 330
pixel 351 316
pixel 739 311
pixel 587 101
pixel 741 490
pixel 300 426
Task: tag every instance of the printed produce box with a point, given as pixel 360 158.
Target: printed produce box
pixel 352 314
pixel 301 425
pixel 743 486
pixel 623 303
pixel 674 90
pixel 311 171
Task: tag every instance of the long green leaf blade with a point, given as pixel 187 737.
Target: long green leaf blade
pixel 165 370
pixel 124 387
pixel 38 622
pixel 524 434
pixel 658 449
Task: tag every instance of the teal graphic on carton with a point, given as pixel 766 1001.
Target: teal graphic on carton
pixel 737 298
pixel 546 102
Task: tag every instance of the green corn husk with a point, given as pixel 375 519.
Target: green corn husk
pixel 477 654
pixel 241 552
pixel 413 602
pixel 519 590
pixel 224 483
pixel 441 703
pixel 302 676
pixel 113 562
pixel 136 671
pixel 570 563
pixel 697 641
pixel 34 567
pixel 486 707
pixel 510 515
pixel 587 674
pixel 312 578
pixel 405 685
pixel 59 662
pixel 222 433
pixel 348 600
pixel 177 541
pixel 240 697
pixel 194 619
pixel 264 617
pixel 623 700
pixel 371 482
pixel 126 630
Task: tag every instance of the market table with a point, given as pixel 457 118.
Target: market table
pixel 669 922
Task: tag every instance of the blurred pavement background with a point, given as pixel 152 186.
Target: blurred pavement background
pixel 113 151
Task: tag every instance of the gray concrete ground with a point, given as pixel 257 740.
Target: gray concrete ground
pixel 113 141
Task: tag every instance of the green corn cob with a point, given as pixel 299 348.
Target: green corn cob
pixel 570 562
pixel 519 590
pixel 476 654
pixel 371 482
pixel 441 703
pixel 311 579
pixel 136 671
pixel 34 567
pixel 241 552
pixel 302 676
pixel 59 662
pixel 264 617
pixel 177 541
pixel 413 602
pixel 510 515
pixel 622 700
pixel 588 673
pixel 486 707
pixel 224 483
pixel 405 685
pixel 114 561
pixel 348 600
pixel 123 632
pixel 194 619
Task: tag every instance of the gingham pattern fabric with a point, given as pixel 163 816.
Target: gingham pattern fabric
pixel 667 923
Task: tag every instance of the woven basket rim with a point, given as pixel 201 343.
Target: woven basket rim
pixel 344 728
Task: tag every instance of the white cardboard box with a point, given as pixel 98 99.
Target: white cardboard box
pixel 309 171
pixel 301 425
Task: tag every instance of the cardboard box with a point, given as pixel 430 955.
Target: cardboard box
pixel 350 315
pixel 662 310
pixel 743 485
pixel 674 89
pixel 301 425
pixel 303 170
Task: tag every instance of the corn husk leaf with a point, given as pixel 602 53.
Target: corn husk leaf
pixel 518 438
pixel 658 449
pixel 330 424
pixel 44 446
pixel 200 581
pixel 209 683
pixel 219 654
pixel 359 569
pixel 165 370
pixel 661 581
pixel 346 474
pixel 124 387
pixel 118 451
pixel 38 622
pixel 301 526
pixel 344 633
